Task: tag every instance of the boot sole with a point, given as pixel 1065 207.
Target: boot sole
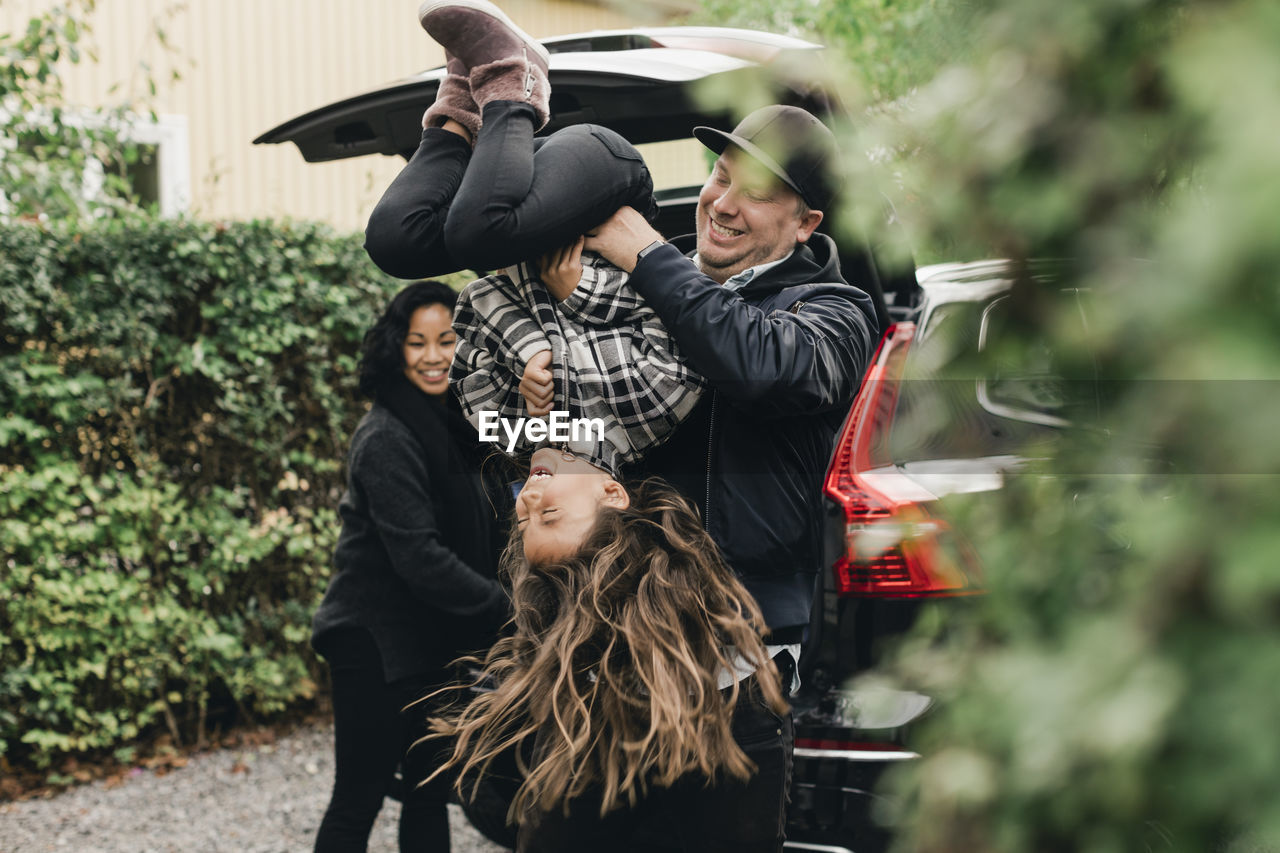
pixel 483 6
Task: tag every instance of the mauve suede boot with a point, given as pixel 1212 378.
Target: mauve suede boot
pixel 505 63
pixel 513 80
pixel 453 99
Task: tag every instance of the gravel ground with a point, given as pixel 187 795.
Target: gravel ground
pixel 265 799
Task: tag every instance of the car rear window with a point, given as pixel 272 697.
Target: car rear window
pixel 966 395
pixel 677 163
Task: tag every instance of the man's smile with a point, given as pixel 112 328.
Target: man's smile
pixel 723 230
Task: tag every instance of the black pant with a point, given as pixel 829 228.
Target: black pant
pixel 728 816
pixel 514 199
pixel 371 736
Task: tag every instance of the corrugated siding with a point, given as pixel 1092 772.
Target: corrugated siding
pixel 247 65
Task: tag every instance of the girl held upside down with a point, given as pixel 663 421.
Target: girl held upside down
pixel 619 690
pixel 631 666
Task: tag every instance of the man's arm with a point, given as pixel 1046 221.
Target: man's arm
pixel 621 237
pixel 779 362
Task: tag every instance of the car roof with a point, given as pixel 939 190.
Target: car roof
pixel 977 281
pixel 635 81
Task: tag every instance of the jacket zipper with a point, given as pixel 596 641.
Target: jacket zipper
pixel 711 430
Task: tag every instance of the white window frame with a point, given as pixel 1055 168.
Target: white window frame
pixel 168 133
pixel 171 137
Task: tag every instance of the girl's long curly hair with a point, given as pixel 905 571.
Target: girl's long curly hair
pixel 614 664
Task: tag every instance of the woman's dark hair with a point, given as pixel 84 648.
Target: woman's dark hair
pixel 615 662
pixel 382 353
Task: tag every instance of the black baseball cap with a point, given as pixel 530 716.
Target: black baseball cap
pixel 791 143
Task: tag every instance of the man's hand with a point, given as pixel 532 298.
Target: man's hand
pixel 535 384
pixel 561 270
pixel 621 237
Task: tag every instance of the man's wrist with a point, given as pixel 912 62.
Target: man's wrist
pixel 644 253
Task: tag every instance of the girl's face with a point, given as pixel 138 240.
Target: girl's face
pixel 559 504
pixel 428 349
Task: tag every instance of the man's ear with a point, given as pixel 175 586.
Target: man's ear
pixel 615 495
pixel 808 223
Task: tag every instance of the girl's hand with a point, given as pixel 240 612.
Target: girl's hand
pixel 535 384
pixel 561 270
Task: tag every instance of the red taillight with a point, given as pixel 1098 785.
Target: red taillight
pixel 852 750
pixel 893 546
pixel 845 745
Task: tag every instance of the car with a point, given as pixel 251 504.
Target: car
pixel 889 546
pixel 947 413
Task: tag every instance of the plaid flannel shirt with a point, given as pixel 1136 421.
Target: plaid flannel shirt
pixel 612 358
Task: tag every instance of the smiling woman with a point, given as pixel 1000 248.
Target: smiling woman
pixel 415 571
pixel 428 348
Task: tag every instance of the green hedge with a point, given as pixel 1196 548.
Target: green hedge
pixel 176 402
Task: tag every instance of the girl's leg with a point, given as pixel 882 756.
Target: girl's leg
pixel 367 740
pixel 515 205
pixel 405 235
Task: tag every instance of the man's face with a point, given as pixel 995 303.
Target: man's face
pixel 746 216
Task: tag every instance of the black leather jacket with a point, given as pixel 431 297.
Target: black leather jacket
pixel 784 357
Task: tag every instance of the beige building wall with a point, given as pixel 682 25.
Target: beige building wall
pixel 245 66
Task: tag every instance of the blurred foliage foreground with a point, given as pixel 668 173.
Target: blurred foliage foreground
pixel 1116 688
pixel 175 400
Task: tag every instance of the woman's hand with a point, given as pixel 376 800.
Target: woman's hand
pixel 535 384
pixel 561 270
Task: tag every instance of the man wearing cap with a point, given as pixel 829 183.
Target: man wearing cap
pixel 782 340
